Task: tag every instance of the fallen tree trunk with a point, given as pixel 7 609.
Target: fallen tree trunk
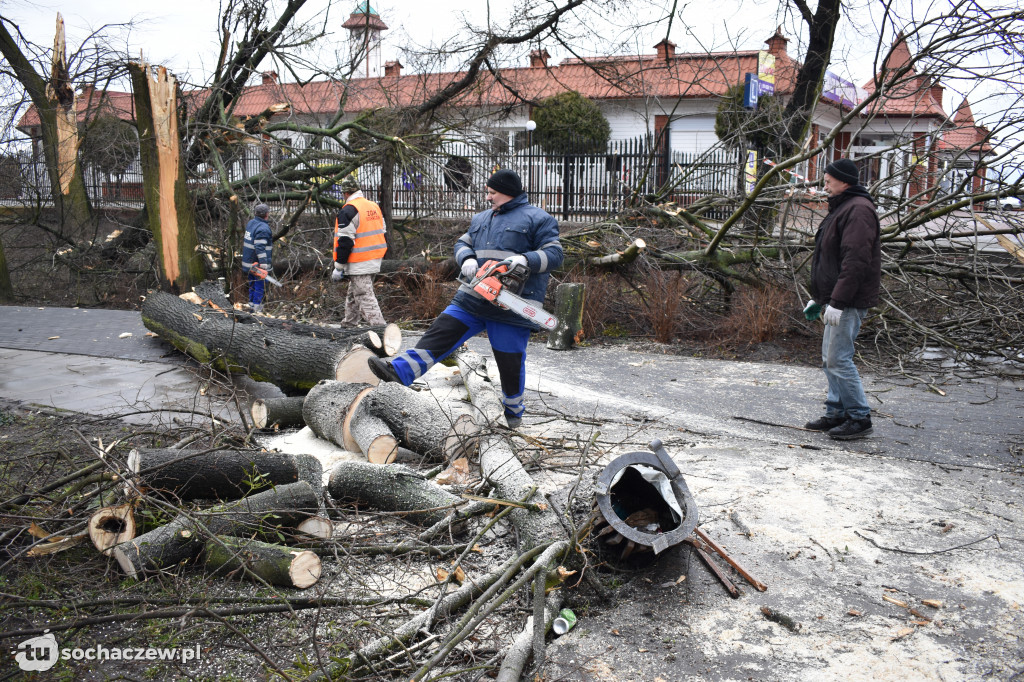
pixel 288 360
pixel 182 539
pixel 262 561
pixel 536 525
pixel 221 474
pixel 394 488
pixel 373 436
pixel 270 412
pixel 417 420
pixel 110 526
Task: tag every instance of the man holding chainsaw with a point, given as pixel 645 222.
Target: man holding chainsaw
pixel 359 247
pixel 511 245
pixel 257 262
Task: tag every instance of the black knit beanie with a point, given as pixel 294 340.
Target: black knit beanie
pixel 844 170
pixel 507 182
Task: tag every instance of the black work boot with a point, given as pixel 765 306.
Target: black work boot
pixel 382 369
pixel 824 423
pixel 851 428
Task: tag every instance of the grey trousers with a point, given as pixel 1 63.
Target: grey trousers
pixel 361 307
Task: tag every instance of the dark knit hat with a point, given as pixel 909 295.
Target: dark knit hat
pixel 262 210
pixel 507 182
pixel 844 170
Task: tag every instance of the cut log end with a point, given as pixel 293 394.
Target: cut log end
pixel 305 569
pixel 123 555
pixel 348 440
pixel 354 368
pixel 259 413
pixel 111 526
pixel 382 450
pixel 392 340
pixel 317 526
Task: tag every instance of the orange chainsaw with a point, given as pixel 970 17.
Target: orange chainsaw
pixel 496 280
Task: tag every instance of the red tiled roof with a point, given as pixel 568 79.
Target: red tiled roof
pixel 88 104
pixel 965 134
pixel 912 94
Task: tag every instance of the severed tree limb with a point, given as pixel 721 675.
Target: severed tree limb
pixel 526 642
pixel 394 487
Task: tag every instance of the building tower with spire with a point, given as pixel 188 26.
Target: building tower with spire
pixel 365 27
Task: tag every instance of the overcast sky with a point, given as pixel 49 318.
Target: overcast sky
pixel 182 34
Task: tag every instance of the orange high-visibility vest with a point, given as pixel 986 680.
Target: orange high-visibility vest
pixel 370 243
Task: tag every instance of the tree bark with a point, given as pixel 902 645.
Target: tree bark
pixel 373 436
pixel 287 360
pixel 262 561
pixel 569 312
pixel 393 487
pixel 221 474
pixel 182 539
pixel 418 421
pixel 270 412
pixel 168 205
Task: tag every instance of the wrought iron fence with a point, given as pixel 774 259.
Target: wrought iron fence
pixel 449 182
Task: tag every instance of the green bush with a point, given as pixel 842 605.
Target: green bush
pixel 569 122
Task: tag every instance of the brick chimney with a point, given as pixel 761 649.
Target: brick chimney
pixel 269 77
pixel 539 58
pixel 777 43
pixel 392 69
pixel 936 90
pixel 666 50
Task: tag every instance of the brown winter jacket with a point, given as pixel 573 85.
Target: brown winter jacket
pixel 846 269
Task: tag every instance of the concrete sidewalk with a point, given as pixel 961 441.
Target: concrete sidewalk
pixel 104 363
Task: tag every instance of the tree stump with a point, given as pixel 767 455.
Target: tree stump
pixel 252 559
pixel 569 312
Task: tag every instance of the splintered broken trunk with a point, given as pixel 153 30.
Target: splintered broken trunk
pixel 290 361
pixel 110 526
pixel 262 561
pixel 220 474
pixel 284 506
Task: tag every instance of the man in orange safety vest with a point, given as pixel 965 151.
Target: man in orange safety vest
pixel 359 247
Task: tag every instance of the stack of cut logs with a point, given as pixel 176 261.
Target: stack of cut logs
pixel 262 495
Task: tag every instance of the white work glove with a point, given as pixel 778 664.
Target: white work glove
pixel 831 316
pixel 338 273
pixel 518 259
pixel 469 268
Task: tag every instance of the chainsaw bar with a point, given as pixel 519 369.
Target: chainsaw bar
pixel 490 285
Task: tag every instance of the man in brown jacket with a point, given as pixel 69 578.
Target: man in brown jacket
pixel 846 273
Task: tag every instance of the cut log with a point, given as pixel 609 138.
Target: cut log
pixel 110 526
pixel 220 474
pixel 262 561
pixel 386 343
pixel 327 410
pixel 353 367
pixel 373 436
pixel 284 506
pixel 287 360
pixel 416 419
pixel 348 440
pixel 393 487
pixel 569 312
pixel 283 412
